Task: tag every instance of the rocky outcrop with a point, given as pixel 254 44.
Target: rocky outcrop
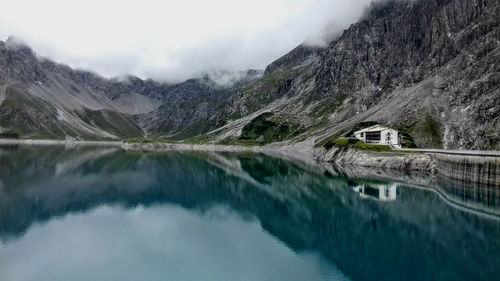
pixel 478 169
pixel 295 57
pixel 383 160
pixel 43 99
pixel 464 167
pixel 427 67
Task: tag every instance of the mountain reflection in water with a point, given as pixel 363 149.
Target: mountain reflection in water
pixel 213 216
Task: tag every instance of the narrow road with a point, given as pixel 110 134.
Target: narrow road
pixel 491 153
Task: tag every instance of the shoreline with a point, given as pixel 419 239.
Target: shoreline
pixel 283 151
pixel 290 152
pixel 449 169
pixel 230 148
pixel 60 142
pixel 473 166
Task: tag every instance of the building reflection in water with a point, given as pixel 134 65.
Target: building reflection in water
pixel 305 208
pixel 381 192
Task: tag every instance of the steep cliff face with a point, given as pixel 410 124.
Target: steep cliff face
pixel 429 68
pixel 193 107
pixel 39 99
pixel 43 99
pixel 445 52
pixel 389 160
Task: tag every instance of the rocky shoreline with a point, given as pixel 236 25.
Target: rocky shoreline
pixel 484 169
pixel 385 160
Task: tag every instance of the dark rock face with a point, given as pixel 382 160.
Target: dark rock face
pixel 296 57
pixel 429 68
pixel 40 98
pixel 189 109
pixel 420 66
pixel 399 45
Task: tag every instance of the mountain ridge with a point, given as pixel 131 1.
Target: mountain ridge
pixel 428 68
pixel 83 105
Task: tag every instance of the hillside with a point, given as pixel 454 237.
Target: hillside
pixel 429 68
pixel 42 99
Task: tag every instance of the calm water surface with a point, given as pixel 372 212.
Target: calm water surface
pixel 105 214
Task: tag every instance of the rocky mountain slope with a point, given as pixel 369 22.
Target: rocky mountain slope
pixel 43 99
pixel 429 68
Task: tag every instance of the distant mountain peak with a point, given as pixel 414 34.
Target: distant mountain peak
pixel 428 68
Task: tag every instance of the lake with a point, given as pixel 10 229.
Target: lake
pixel 87 213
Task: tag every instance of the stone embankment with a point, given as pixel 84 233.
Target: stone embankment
pixel 472 166
pixel 384 160
pixel 481 167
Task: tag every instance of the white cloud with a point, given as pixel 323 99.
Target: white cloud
pixel 171 40
pixel 156 243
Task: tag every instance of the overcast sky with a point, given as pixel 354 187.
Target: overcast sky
pixel 171 40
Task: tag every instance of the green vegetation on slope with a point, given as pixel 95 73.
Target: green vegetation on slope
pixel 432 131
pixel 29 116
pixel 378 148
pixel 325 107
pixel 264 91
pixel 110 121
pixel 9 135
pixel 340 143
pixel 343 143
pixel 372 147
pixel 426 132
pixel 263 130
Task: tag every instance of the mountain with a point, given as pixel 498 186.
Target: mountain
pixel 429 68
pixel 193 107
pixel 43 99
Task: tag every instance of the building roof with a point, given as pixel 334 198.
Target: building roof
pixel 374 128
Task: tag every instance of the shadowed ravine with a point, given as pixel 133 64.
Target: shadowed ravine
pixel 417 235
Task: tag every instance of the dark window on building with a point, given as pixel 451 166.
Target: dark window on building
pixel 373 136
pixel 372 191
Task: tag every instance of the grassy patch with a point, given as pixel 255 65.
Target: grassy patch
pixel 325 107
pixel 262 129
pixel 277 78
pixel 379 148
pixel 9 135
pixel 431 129
pixel 372 147
pixel 265 90
pixel 426 132
pixel 327 140
pixel 340 143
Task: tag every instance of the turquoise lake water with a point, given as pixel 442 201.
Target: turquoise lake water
pixel 105 214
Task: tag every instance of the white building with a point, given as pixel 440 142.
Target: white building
pixel 382 192
pixel 379 134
